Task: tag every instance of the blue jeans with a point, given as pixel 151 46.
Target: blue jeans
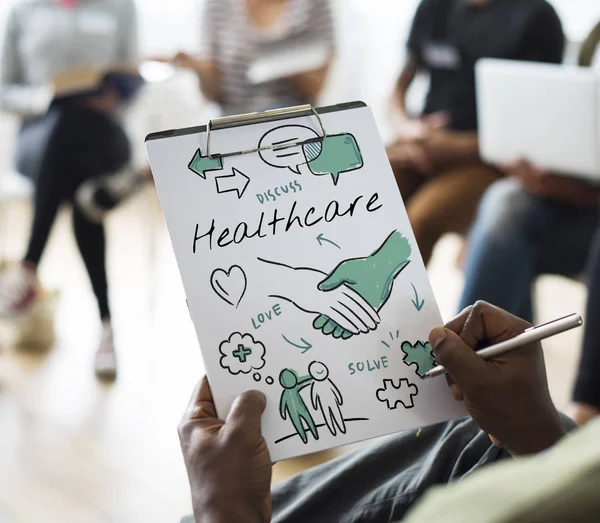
pixel 518 236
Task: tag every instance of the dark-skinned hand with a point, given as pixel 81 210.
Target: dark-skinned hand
pixel 508 396
pixel 228 462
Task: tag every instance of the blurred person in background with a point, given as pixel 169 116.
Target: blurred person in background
pixel 237 33
pixel 586 395
pixel 536 222
pixel 435 157
pixel 78 141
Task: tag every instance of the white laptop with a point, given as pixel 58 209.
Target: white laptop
pixel 546 113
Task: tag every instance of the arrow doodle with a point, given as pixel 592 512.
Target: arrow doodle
pixel 321 239
pixel 203 164
pixel 304 348
pixel 237 182
pixel 418 305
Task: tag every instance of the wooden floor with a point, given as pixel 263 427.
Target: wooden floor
pixel 74 450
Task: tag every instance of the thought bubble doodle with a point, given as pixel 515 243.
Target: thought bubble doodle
pixel 242 354
pixel 286 155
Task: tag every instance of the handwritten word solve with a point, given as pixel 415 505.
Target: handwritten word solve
pixel 368 365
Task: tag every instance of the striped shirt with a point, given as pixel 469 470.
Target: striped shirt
pixel 44 38
pixel 229 40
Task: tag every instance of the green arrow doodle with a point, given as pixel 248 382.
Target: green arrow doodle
pixel 304 348
pixel 418 305
pixel 203 164
pixel 321 239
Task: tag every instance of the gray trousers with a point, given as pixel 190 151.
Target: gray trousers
pixel 380 483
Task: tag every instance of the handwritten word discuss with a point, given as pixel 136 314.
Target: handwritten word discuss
pixel 282 222
pixel 278 192
pixel 267 316
pixel 368 365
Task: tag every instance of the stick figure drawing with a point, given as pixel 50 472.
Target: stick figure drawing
pixel 326 397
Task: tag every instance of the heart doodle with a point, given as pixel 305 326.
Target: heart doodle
pixel 229 285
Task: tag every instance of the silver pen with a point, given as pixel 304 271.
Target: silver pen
pixel 531 335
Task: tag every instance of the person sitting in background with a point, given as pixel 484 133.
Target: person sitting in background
pixel 435 158
pixel 533 222
pixel 75 142
pixel 586 394
pixel 455 472
pixel 236 33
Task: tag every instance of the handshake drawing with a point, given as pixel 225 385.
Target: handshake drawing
pixel 347 301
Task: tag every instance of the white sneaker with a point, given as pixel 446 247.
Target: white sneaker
pixel 100 194
pixel 19 290
pixel 105 364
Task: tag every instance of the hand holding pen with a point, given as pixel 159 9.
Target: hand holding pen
pixel 508 396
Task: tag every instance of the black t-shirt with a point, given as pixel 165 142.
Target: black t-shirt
pixel 449 36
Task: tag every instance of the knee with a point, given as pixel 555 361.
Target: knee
pixel 506 210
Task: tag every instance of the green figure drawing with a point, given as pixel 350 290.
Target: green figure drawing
pixel 334 155
pixel 419 354
pixel 371 277
pixel 203 164
pixel 292 404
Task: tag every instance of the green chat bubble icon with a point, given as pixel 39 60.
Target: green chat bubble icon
pixel 333 155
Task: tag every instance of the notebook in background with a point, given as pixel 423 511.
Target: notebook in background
pixel 290 58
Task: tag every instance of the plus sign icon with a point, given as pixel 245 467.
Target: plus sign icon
pixel 242 354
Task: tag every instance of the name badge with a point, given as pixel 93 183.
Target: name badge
pixel 441 55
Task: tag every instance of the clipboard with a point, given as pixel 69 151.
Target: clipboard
pixel 275 115
pixel 302 274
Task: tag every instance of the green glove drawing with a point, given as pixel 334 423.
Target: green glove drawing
pixel 371 277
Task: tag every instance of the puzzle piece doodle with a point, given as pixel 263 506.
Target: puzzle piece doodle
pixel 419 354
pixel 392 394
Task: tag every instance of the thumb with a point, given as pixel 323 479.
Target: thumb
pixel 461 362
pixel 246 411
pixel 333 281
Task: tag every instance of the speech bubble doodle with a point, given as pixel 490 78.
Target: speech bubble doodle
pixel 241 353
pixel 286 155
pixel 335 155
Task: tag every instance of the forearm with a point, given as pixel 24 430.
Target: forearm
pixel 539 432
pixel 398 104
pixel 310 84
pixel 405 80
pixel 275 279
pixel 573 192
pixel 209 77
pixel 25 100
pixel 465 147
pixel 226 512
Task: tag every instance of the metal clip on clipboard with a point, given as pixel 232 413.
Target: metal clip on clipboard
pixel 275 115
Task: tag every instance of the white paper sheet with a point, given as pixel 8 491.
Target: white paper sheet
pixel 275 251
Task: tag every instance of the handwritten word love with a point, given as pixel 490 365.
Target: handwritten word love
pixel 267 316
